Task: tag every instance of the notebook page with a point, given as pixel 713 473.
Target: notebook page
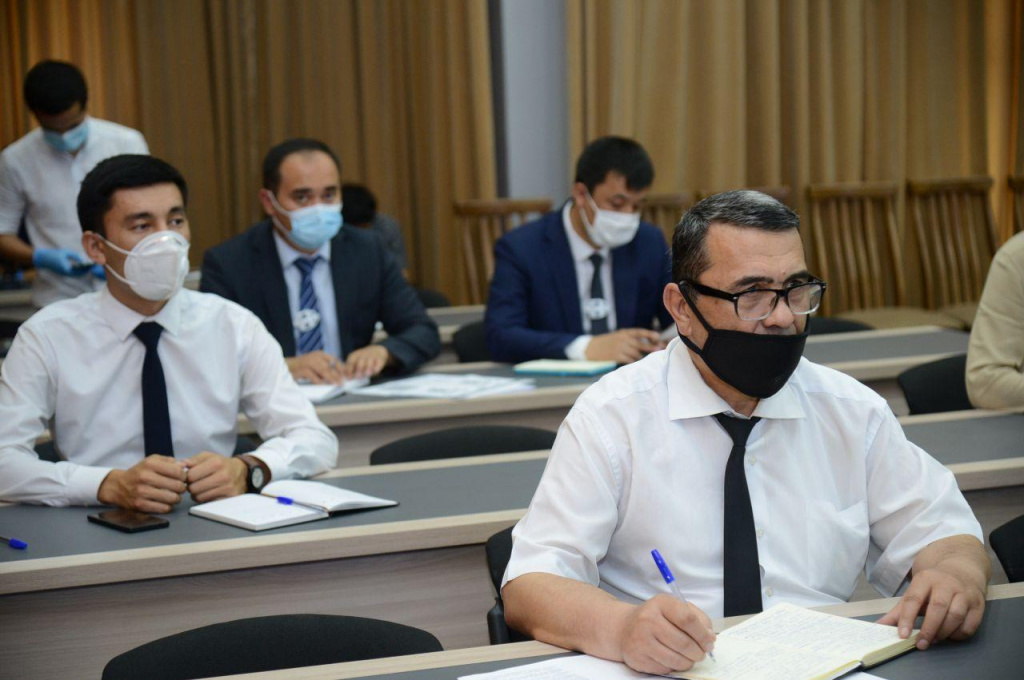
pixel 569 668
pixel 793 626
pixel 252 511
pixel 739 659
pixel 322 495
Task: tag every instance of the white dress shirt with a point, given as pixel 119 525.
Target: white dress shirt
pixel 323 286
pixel 639 464
pixel 581 253
pixel 77 366
pixel 40 184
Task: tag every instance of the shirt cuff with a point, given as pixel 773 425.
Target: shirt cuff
pixel 577 349
pixel 84 484
pixel 275 460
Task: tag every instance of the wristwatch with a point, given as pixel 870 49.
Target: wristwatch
pixel 258 475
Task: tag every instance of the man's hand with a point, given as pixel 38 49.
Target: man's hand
pixel 154 484
pixel 367 362
pixel 664 635
pixel 317 367
pixel 624 346
pixel 212 476
pixel 61 260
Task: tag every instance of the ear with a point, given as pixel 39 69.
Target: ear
pixel 680 310
pixel 92 243
pixel 268 206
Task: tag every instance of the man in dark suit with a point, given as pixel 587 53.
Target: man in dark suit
pixel 584 282
pixel 320 288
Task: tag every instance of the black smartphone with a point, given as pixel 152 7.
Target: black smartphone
pixel 129 521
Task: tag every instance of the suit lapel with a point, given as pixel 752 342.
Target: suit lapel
pixel 274 292
pixel 345 300
pixel 624 280
pixel 563 272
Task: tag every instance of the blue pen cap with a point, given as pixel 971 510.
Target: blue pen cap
pixel 17 545
pixel 666 573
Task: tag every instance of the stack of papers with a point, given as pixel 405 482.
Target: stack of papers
pixel 318 394
pixel 564 367
pixel 448 386
pixel 285 503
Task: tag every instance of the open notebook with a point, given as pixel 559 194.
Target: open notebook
pixel 284 503
pixel 784 643
pixel 318 394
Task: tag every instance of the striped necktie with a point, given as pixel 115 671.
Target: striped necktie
pixel 310 340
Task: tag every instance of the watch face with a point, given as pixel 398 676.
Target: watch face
pixel 257 478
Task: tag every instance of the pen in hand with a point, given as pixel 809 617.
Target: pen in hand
pixel 666 574
pixel 14 543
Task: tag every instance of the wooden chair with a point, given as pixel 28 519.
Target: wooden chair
pixel 482 223
pixel 857 251
pixel 1016 183
pixel 956 239
pixel 665 210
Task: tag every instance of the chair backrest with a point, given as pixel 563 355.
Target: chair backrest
pixel 936 387
pixel 498 552
pixel 482 223
pixel 856 245
pixel 1016 183
pixel 268 643
pixel 470 343
pixel 1008 544
pixel 431 298
pixel 956 237
pixel 459 442
pixel 824 325
pixel 665 210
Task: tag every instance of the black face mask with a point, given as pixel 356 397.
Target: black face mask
pixel 756 365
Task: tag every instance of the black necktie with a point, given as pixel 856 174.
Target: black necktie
pixel 156 417
pixel 597 326
pixel 742 570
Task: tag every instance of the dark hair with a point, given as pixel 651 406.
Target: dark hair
pixel 52 87
pixel 128 171
pixel 275 157
pixel 618 154
pixel 742 208
pixel 359 206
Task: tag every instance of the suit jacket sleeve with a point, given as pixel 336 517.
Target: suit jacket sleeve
pixel 412 334
pixel 666 277
pixel 214 278
pixel 506 321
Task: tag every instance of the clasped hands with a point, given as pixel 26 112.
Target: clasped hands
pixel 157 483
pixel 321 368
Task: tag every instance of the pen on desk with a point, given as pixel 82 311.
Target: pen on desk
pixel 14 543
pixel 666 574
pixel 284 500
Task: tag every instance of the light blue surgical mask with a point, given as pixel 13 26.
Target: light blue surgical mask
pixel 313 225
pixel 69 141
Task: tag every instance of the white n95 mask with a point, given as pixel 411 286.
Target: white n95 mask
pixel 610 229
pixel 156 267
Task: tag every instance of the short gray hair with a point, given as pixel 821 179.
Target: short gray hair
pixel 742 208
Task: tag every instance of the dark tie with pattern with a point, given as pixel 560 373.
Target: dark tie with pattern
pixel 597 326
pixel 310 339
pixel 156 416
pixel 742 570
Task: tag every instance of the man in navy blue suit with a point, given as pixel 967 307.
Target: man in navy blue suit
pixel 584 282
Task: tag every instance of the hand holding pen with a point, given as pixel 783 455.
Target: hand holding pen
pixel 666 574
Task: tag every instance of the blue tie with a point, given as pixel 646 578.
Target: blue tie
pixel 310 340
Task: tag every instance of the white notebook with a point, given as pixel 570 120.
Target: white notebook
pixel 318 394
pixel 309 501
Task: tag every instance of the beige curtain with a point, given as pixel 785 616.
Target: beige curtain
pixel 739 93
pixel 400 90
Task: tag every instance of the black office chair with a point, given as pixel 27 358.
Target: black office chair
pixel 823 325
pixel 433 298
pixel 498 551
pixel 1008 543
pixel 470 343
pixel 936 387
pixel 459 442
pixel 48 451
pixel 268 643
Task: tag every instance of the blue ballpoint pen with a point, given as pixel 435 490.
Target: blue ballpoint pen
pixel 14 543
pixel 666 574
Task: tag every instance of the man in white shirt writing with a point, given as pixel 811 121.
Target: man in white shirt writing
pixel 759 476
pixel 141 382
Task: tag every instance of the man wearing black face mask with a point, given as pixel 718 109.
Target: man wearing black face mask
pixel 759 476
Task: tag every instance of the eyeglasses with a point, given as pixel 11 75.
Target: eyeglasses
pixel 759 303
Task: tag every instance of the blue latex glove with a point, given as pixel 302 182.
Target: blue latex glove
pixel 60 260
pixel 99 272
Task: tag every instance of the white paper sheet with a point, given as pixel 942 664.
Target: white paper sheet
pixel 448 386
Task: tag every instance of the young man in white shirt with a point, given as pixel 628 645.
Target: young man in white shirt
pixel 142 382
pixel 657 456
pixel 40 175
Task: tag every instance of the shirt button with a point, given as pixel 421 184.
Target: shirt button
pixel 760 533
pixel 751 460
pixel 768 592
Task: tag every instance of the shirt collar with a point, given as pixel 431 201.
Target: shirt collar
pixel 580 249
pixel 690 397
pixel 288 254
pixel 123 320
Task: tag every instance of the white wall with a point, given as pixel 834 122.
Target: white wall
pixel 535 102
